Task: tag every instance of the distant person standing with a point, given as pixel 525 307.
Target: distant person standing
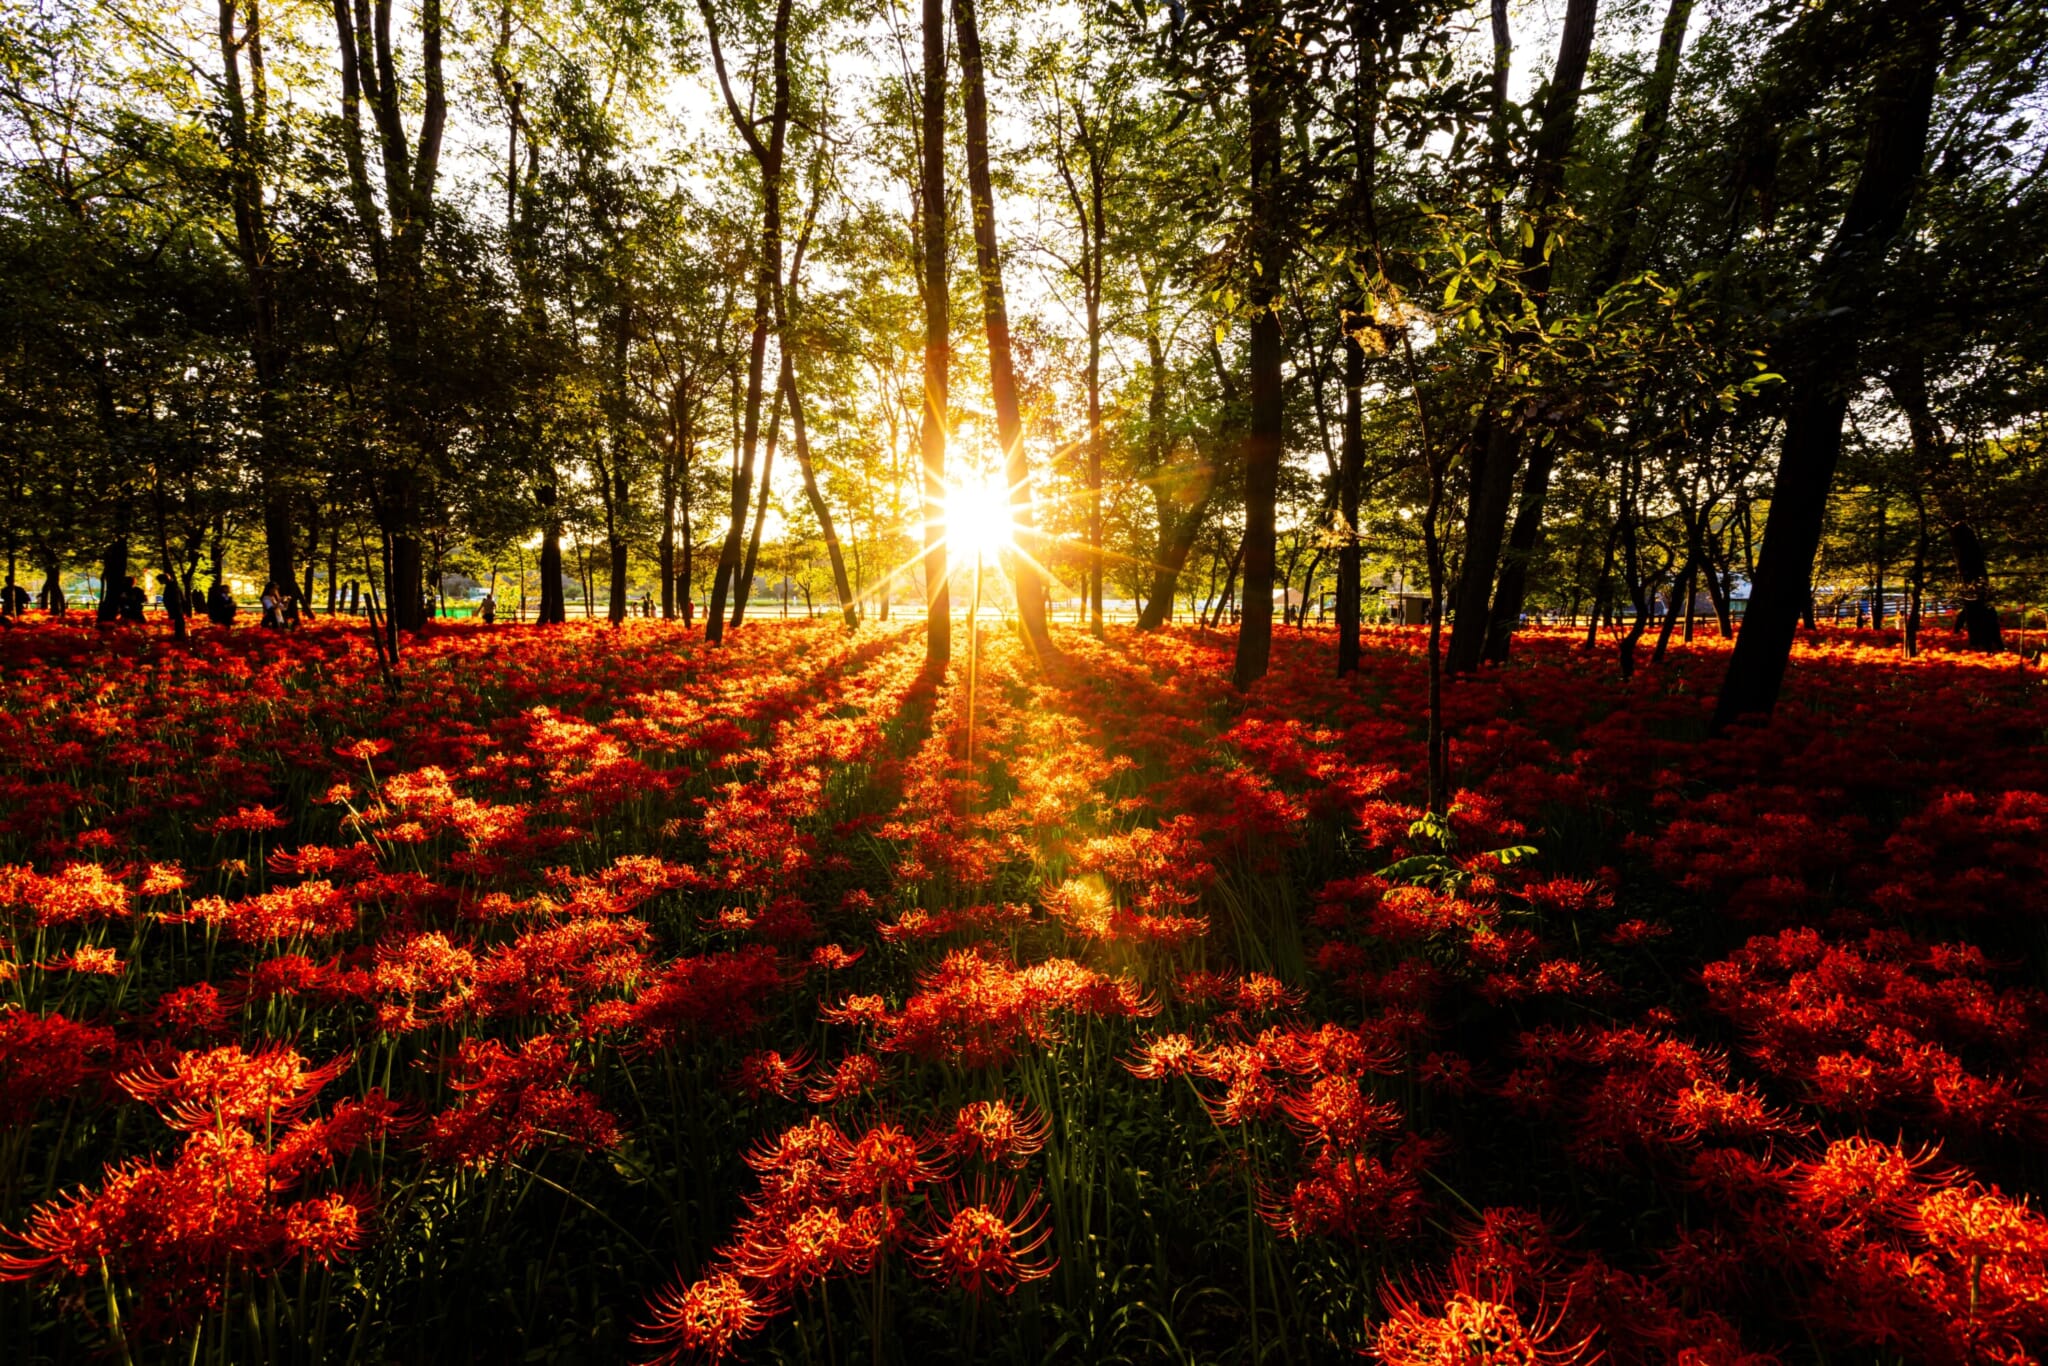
pixel 13 599
pixel 173 597
pixel 220 605
pixel 273 607
pixel 489 610
pixel 132 600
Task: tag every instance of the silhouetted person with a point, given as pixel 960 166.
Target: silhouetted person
pixel 132 600
pixel 490 609
pixel 273 607
pixel 220 605
pixel 173 597
pixel 13 599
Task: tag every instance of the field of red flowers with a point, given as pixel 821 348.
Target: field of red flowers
pixel 604 997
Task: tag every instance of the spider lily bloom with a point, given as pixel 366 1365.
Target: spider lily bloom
pixel 254 820
pixel 87 960
pixel 886 1164
pixel 984 1245
pixel 707 996
pixel 1168 1055
pixel 228 1086
pixel 768 1073
pixel 310 910
pixel 794 1250
pixel 855 1075
pixel 1334 1113
pixel 517 1101
pixel 834 958
pixel 992 1131
pixel 1477 1320
pixel 77 894
pixel 857 1012
pixel 702 1321
pixel 43 1057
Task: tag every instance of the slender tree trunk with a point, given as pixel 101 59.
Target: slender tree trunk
pixel 554 598
pixel 1265 81
pixel 1096 173
pixel 744 585
pixel 1512 593
pixel 1173 558
pixel 1497 440
pixel 1919 575
pixel 937 342
pixel 1028 582
pixel 767 281
pixel 1846 282
pixel 1933 453
pixel 333 564
pixel 1682 584
pixel 848 609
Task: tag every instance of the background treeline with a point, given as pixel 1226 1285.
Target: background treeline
pixel 1581 310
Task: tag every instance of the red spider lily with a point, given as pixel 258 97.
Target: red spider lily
pixel 834 958
pixel 769 1073
pixel 515 1102
pixel 1479 1319
pixel 993 1131
pixel 172 1227
pixel 787 1250
pixel 87 960
pixel 855 1075
pixel 46 1056
pixel 228 1086
pixel 857 1011
pixel 1855 1181
pixel 1167 1055
pixel 347 864
pixel 1334 1113
pixel 1350 1197
pixel 196 1011
pixel 76 894
pixel 1331 1050
pixel 975 1012
pixel 553 971
pixel 253 820
pixel 713 995
pixel 310 910
pixel 703 1321
pixel 985 1245
pixel 886 1164
pixel 163 879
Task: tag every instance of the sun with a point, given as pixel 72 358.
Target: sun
pixel 978 519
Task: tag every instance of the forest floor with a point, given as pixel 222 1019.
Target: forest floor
pixel 605 996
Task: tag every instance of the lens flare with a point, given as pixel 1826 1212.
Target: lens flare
pixel 978 519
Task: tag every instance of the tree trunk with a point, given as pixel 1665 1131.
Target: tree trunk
pixel 277 547
pixel 407 583
pixel 1173 557
pixel 554 598
pixel 1846 281
pixel 1267 97
pixel 1934 455
pixel 767 280
pixel 1497 440
pixel 1512 592
pixel 113 579
pixel 848 609
pixel 937 342
pixel 1919 576
pixel 1028 582
pixel 744 586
